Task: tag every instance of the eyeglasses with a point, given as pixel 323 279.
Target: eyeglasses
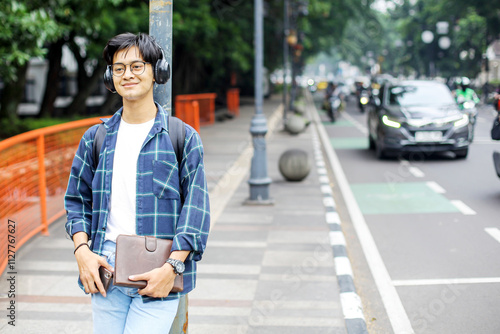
pixel 137 68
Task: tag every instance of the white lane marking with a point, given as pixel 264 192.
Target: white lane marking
pixel 446 281
pixel 322 171
pixel 436 187
pixel 494 232
pixel 358 125
pixel 332 218
pixel 392 303
pixel 328 201
pixel 337 239
pixel 463 208
pixel 342 266
pixel 325 189
pixel 351 305
pixel 415 171
pixel 324 179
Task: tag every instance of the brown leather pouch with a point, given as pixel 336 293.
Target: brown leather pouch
pixel 139 254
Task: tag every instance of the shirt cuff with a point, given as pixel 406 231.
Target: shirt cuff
pixel 73 228
pixel 189 242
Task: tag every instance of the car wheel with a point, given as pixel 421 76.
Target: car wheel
pixel 471 134
pixel 371 143
pixel 461 154
pixel 380 152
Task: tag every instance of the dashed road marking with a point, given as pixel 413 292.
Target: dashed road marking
pixel 352 308
pixel 393 305
pixel 337 238
pixel 436 187
pixel 494 232
pixel 415 171
pixel 463 207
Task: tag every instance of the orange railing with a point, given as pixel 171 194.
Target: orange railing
pixel 233 101
pixel 190 113
pixel 206 104
pixel 34 171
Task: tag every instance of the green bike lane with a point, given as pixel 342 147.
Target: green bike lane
pixel 423 234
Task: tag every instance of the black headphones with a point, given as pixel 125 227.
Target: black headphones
pixel 161 72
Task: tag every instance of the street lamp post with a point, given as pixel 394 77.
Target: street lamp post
pixel 259 180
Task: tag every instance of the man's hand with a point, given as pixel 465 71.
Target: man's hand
pixel 160 281
pixel 88 266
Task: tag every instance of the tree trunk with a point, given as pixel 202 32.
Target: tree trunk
pixel 11 98
pixel 85 88
pixel 53 79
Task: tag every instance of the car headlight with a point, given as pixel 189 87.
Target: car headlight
pixel 391 123
pixel 462 122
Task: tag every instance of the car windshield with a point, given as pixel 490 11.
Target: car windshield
pixel 420 95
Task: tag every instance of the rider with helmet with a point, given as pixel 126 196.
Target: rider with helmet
pixel 464 93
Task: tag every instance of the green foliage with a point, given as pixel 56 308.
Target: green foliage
pixel 468 21
pixel 23 33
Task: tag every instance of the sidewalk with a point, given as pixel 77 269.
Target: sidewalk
pixel 267 269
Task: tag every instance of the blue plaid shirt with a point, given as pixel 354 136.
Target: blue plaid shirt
pixel 159 210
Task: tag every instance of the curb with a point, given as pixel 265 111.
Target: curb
pixel 352 307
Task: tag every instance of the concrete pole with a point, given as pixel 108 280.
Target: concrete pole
pixel 259 181
pixel 160 27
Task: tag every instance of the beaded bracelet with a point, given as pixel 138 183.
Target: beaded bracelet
pixel 80 245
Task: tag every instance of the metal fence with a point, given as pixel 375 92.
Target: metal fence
pixel 34 171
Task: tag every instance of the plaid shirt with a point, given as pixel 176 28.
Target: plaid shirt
pixel 159 210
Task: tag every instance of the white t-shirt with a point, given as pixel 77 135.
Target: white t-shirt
pixel 122 213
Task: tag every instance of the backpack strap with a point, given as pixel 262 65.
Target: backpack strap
pixel 177 134
pixel 97 144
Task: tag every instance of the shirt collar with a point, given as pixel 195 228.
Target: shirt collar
pixel 159 124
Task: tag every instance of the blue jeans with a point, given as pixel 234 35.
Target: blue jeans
pixel 123 311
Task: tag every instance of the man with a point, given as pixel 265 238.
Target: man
pixel 464 93
pixel 136 189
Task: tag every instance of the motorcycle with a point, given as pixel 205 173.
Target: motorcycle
pixel 364 98
pixel 469 108
pixel 332 107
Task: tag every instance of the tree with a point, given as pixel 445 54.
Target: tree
pixel 472 26
pixel 23 32
pixel 86 27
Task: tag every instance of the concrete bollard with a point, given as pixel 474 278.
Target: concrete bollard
pixel 295 124
pixel 294 165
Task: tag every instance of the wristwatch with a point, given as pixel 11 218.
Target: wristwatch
pixel 178 265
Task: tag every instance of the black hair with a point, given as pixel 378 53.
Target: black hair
pixel 148 48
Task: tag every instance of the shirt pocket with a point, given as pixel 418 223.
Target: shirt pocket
pixel 165 180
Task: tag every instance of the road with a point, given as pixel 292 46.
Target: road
pixel 428 228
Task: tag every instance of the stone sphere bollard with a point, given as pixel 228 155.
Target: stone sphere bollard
pixel 294 165
pixel 295 124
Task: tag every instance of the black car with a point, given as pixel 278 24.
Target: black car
pixel 417 116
